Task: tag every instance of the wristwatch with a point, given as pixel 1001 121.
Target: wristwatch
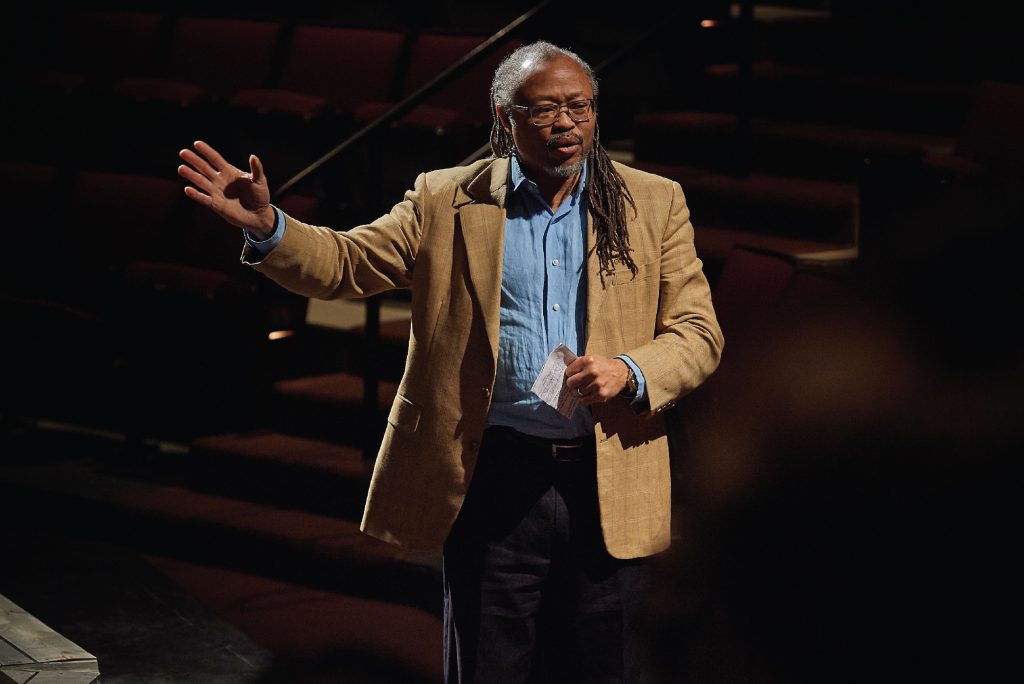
pixel 630 390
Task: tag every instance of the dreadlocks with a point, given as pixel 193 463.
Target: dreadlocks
pixel 607 193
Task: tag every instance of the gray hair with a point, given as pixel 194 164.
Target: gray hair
pixel 511 73
pixel 514 69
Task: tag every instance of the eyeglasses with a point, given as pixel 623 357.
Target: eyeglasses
pixel 545 113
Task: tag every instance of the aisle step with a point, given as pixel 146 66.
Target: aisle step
pixel 790 215
pixel 712 140
pixel 80 497
pixel 281 470
pixel 329 407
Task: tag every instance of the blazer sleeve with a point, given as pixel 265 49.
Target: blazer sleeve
pixel 688 342
pixel 322 263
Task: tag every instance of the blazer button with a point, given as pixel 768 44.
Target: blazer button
pixel 485 391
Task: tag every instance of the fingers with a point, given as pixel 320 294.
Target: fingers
pixel 595 379
pixel 256 169
pixel 197 162
pixel 213 156
pixel 199 197
pixel 582 378
pixel 593 394
pixel 581 372
pixel 580 364
pixel 195 178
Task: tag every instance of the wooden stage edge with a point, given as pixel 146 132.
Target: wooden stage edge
pixel 31 651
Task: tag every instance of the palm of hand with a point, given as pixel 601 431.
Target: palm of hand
pixel 242 199
pixel 250 195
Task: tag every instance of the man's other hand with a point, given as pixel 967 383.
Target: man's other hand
pixel 240 198
pixel 596 378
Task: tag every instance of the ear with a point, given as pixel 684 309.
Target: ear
pixel 503 117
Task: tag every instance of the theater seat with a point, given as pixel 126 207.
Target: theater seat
pixel 992 139
pixel 209 58
pixel 464 101
pixel 114 220
pixel 335 69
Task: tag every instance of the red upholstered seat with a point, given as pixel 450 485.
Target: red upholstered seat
pixel 144 89
pixel 188 280
pixel 263 101
pixel 207 241
pixel 439 119
pixel 111 45
pixel 711 140
pixel 210 57
pixel 790 215
pixel 465 100
pixel 468 94
pixel 120 218
pixel 992 138
pixel 68 59
pixel 345 67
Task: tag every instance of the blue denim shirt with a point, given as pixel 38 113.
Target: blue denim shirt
pixel 543 303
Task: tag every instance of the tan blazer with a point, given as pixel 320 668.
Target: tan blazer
pixel 444 241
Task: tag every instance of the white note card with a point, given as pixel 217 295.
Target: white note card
pixel 550 384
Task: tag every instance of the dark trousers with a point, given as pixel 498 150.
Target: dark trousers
pixel 530 593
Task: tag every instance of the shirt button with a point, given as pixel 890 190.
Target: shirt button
pixel 554 262
pixel 555 307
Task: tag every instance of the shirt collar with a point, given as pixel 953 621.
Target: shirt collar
pixel 518 177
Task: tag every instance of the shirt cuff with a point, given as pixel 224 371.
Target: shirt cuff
pixel 264 246
pixel 641 386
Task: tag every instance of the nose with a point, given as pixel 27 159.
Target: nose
pixel 562 120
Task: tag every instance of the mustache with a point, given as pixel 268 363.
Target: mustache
pixel 562 138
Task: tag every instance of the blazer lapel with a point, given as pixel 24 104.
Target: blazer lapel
pixel 481 212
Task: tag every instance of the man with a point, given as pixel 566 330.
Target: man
pixel 541 517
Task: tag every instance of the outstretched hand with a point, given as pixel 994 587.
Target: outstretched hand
pixel 240 198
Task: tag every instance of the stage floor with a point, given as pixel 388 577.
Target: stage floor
pixel 142 628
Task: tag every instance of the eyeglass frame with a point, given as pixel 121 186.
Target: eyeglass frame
pixel 565 106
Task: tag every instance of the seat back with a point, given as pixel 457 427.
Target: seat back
pixel 120 218
pixel 469 93
pixel 346 66
pixel 994 131
pixel 112 45
pixel 223 55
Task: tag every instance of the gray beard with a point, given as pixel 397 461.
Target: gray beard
pixel 566 170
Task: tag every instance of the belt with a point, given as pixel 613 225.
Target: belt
pixel 565 450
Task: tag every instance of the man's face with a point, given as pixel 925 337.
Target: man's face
pixel 560 148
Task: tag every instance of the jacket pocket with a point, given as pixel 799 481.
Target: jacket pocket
pixel 623 276
pixel 405 415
